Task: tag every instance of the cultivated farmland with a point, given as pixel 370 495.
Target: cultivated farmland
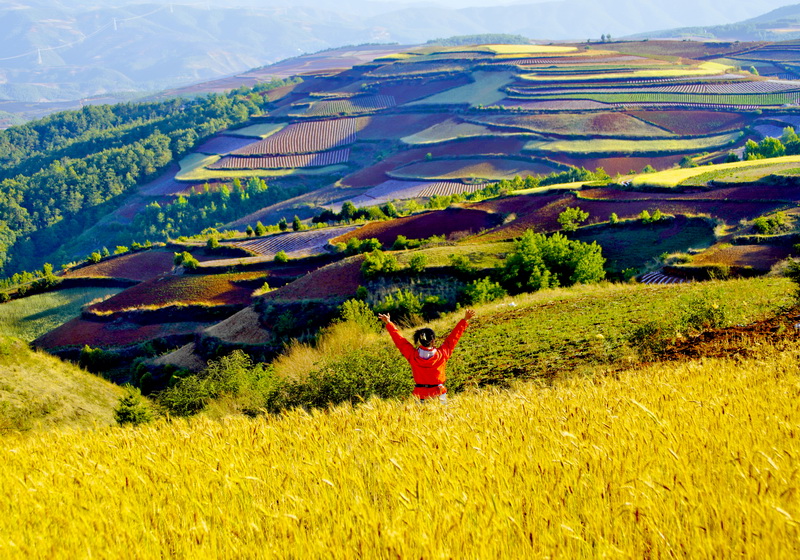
pixel 321 159
pixel 306 137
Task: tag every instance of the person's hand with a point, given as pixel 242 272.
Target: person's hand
pixel 468 314
pixel 384 317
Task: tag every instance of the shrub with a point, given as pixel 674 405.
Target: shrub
pixel 260 229
pixel 483 290
pixel 377 263
pixel 132 409
pixel 417 263
pixel 94 258
pixel 358 312
pixel 539 261
pixel 212 243
pixel 570 218
pixel 281 257
pixel 462 264
pixel 405 305
pixel 251 387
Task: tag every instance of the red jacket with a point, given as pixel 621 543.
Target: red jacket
pixel 428 371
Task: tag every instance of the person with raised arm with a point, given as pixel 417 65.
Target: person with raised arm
pixel 426 359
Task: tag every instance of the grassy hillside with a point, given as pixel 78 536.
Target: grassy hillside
pixel 694 457
pixel 38 392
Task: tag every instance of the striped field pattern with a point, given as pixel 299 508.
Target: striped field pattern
pixel 361 104
pixel 320 159
pixel 294 244
pixel 307 137
pixel 659 278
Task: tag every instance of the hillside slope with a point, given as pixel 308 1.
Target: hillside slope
pixel 39 391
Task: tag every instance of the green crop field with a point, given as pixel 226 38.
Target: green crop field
pixel 675 177
pixel 30 317
pixel 704 69
pixel 751 99
pixel 484 255
pixel 261 130
pixel 485 90
pixel 615 146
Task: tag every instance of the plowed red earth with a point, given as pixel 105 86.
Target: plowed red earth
pixel 336 281
pixel 739 341
pixel 743 193
pixel 542 212
pixel 694 122
pixel 420 226
pixel 397 126
pixel 191 289
pixel 621 165
pixel 79 332
pixel 407 91
pixel 142 266
pixel 761 257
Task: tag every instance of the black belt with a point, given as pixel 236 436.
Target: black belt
pixel 421 386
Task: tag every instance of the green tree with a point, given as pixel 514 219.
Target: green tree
pixel 377 262
pixel 281 257
pixel 132 409
pixel 539 261
pixel 731 158
pixel 417 263
pixel 483 290
pixel 260 229
pixel 282 225
pixel 249 231
pixel 570 218
pixel 297 225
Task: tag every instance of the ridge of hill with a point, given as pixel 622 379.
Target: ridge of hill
pixel 40 392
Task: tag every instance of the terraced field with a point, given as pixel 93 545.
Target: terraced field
pixel 362 104
pixel 294 244
pixel 306 137
pixel 321 159
pixel 471 169
pixel 634 146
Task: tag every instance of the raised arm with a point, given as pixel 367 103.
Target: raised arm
pixel 452 338
pixel 406 348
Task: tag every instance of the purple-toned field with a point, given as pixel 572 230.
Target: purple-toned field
pixel 306 137
pixel 221 145
pixel 320 159
pixel 401 190
pixel 294 244
pixel 360 104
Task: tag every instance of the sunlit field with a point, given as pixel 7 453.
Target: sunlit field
pixel 693 460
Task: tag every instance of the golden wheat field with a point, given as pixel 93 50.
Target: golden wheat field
pixel 694 460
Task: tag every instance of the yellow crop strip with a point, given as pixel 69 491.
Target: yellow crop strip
pixel 618 146
pixel 692 460
pixel 704 69
pixel 673 177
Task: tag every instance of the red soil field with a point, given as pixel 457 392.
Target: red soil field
pixel 190 289
pixel 474 146
pixel 338 280
pixel 622 165
pixel 552 105
pixel 383 127
pixel 541 212
pixel 319 159
pixel 694 122
pixel 611 123
pixel 306 137
pixel 758 256
pixel 759 193
pixel 141 266
pixel 410 90
pixel 471 167
pixel 439 222
pixel 685 49
pixel 79 332
pixel 163 185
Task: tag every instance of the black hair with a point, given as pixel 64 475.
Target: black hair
pixel 424 337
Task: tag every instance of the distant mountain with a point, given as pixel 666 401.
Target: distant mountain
pixel 781 24
pixel 56 51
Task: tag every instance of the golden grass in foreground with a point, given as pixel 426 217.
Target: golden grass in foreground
pixel 694 461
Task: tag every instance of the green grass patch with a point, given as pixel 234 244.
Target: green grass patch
pixel 29 318
pixel 675 177
pixel 704 69
pixel 618 146
pixel 485 90
pixel 482 256
pixel 193 168
pixel 632 244
pixel 261 130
